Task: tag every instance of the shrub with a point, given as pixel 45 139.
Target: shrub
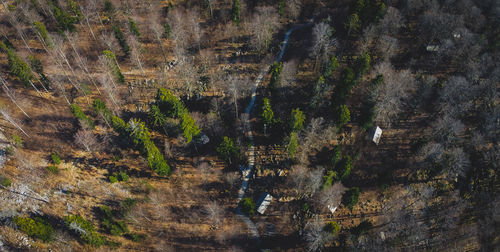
pixel 73 9
pixel 121 40
pixel 122 176
pixel 378 80
pixel 17 141
pixel 168 105
pixel 44 34
pixel 189 127
pixel 248 206
pixel 297 119
pixel 65 20
pixel 336 155
pixel 17 66
pixel 52 169
pixel 267 112
pixel 132 25
pixel 136 237
pixel 56 159
pixel 100 108
pixel 350 197
pixel 5 182
pixel 85 229
pixel 228 151
pixel 236 11
pixel 293 144
pixel 275 71
pixel 362 228
pixel 78 113
pixel 345 166
pixel 167 30
pixel 332 66
pixel 114 66
pixel 109 223
pixel 36 227
pixel 112 179
pixel 367 115
pixel 127 204
pixel 329 178
pixel 352 23
pixel 281 8
pixel 119 126
pixel 362 64
pixel 332 227
pixel 343 115
pixel 108 7
pixel 156 116
pixel 348 81
pixel 136 132
pixel 9 151
pixel 37 66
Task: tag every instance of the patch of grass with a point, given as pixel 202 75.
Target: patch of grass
pixel 36 228
pixel 52 169
pixel 110 224
pixel 112 179
pixel 147 186
pixel 17 141
pixel 5 182
pixel 136 237
pixel 56 159
pixel 120 176
pixel 127 204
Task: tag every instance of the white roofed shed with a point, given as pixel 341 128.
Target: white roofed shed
pixel 264 201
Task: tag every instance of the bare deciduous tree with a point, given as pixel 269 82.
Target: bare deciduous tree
pixel 322 44
pixel 231 178
pixel 458 163
pixel 315 235
pixel 457 96
pixel 392 21
pixel 293 8
pixel 316 135
pixel 236 88
pixel 135 52
pixel 386 46
pixel 215 213
pixel 330 197
pixel 304 181
pixel 263 25
pixel 447 129
pixel 87 139
pixel 393 94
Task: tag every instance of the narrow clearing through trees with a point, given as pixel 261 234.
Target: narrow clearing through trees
pixel 247 170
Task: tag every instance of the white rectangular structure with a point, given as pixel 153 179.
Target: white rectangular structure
pixel 377 133
pixel 264 202
pixel 332 208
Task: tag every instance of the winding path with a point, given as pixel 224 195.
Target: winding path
pixel 247 170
